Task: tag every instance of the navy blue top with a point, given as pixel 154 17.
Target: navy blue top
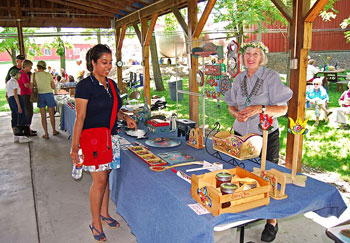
pixel 100 102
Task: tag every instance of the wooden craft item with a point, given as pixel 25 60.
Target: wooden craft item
pixel 146 155
pixel 204 191
pixel 241 148
pixel 163 168
pixel 298 128
pixel 277 180
pixel 196 138
pixel 265 125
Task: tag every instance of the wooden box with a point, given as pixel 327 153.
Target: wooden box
pixel 158 126
pixel 204 191
pixel 246 147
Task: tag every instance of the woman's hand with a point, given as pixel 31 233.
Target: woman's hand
pixel 20 110
pixel 131 123
pixel 74 154
pixel 250 111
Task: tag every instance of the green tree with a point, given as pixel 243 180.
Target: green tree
pixel 60 47
pixel 343 25
pixel 239 14
pixel 11 45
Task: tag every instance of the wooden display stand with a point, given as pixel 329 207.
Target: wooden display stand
pixel 246 147
pixel 204 191
pixel 196 138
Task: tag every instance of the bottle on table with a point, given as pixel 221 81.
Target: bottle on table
pixel 77 170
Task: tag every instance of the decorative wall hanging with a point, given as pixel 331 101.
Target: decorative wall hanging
pixel 233 63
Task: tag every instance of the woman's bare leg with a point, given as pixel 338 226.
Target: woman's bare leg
pixel 43 120
pixel 97 191
pixel 52 119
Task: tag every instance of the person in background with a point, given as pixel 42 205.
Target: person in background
pixel 26 91
pixel 317 98
pixel 258 90
pixel 18 116
pixel 94 101
pixel 46 85
pixel 18 66
pixel 344 110
pixel 311 71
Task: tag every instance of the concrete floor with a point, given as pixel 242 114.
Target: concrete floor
pixel 41 202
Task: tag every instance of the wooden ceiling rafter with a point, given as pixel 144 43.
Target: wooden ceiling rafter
pixel 78 6
pixel 160 7
pixel 94 5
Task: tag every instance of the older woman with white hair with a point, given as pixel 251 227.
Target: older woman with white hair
pixel 258 90
pixel 318 98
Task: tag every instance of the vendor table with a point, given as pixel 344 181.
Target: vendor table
pixel 67 119
pixel 155 204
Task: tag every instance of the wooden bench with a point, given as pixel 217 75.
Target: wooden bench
pixel 340 85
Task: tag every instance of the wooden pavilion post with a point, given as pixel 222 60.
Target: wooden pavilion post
pixel 300 43
pixel 146 34
pixel 119 38
pixel 194 30
pixel 19 28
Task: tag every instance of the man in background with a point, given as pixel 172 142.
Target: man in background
pixel 18 66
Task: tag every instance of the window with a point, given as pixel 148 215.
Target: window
pixel 76 51
pixel 47 52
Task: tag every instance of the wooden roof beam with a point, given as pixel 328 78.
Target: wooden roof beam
pixel 315 10
pixel 286 11
pixel 146 12
pixel 121 38
pixel 98 6
pixel 150 29
pixel 78 6
pixel 180 19
pixel 204 18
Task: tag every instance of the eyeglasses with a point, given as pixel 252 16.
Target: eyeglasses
pixel 317 84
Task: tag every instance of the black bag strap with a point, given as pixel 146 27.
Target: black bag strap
pixel 115 104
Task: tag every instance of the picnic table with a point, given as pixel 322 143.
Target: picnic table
pixel 331 73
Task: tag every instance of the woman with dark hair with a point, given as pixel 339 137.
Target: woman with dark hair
pixel 258 90
pixel 95 107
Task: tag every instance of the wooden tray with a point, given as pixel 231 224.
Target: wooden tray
pixel 147 156
pixel 204 191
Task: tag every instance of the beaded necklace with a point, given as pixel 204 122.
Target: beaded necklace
pixel 254 91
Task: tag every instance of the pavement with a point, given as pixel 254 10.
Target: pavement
pixel 41 202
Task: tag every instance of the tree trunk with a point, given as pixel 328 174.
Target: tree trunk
pixel 98 35
pixel 63 60
pixel 157 76
pixel 13 56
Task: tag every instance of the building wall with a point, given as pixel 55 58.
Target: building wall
pixel 77 52
pixel 326 36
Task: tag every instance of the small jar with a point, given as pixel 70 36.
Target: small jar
pixel 227 188
pixel 222 177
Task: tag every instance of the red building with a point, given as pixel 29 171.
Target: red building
pixel 326 36
pixel 78 51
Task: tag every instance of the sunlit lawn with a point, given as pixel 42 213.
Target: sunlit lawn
pixel 325 147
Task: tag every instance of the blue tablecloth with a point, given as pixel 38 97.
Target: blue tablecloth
pixel 154 204
pixel 67 119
